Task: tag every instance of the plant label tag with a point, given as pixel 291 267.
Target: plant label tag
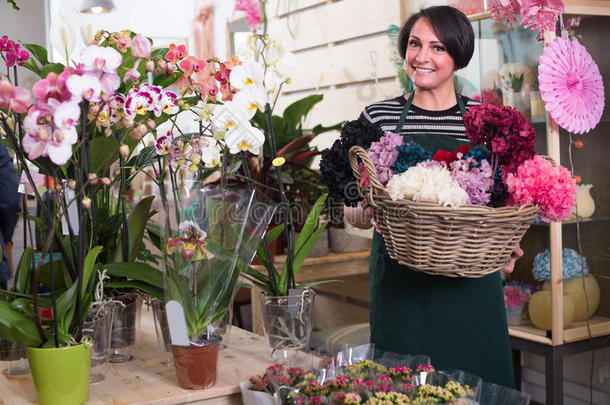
pixel 71 203
pixel 177 323
pixel 294 296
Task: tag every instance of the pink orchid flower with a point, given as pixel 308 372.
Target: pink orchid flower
pixel 176 53
pixel 140 46
pixel 98 59
pixel 6 45
pixel 14 98
pixel 192 65
pixel 53 86
pixel 132 74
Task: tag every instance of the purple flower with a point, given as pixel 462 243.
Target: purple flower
pixel 383 155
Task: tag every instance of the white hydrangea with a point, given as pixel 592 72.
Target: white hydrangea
pixel 427 184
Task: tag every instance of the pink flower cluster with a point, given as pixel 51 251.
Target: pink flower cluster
pixel 383 155
pixel 51 123
pixel 14 98
pixel 504 131
pixel 538 15
pixel 538 181
pixel 12 53
pixel 253 13
pixel 476 181
pixel 515 295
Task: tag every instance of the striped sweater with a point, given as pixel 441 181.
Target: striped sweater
pixel 446 122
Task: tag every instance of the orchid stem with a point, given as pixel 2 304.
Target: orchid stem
pixel 51 265
pixel 122 202
pixel 82 227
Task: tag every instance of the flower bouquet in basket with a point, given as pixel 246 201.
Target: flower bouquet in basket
pixel 460 212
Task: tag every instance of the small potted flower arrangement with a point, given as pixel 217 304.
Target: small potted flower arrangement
pixel 516 295
pixel 486 192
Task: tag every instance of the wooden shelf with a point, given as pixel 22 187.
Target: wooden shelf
pixel 577 331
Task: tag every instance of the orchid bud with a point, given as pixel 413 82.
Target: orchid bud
pixel 128 122
pixel 142 130
pixel 151 124
pixel 106 181
pixel 288 80
pixel 92 177
pixel 150 66
pixel 140 46
pixel 162 65
pixel 71 184
pixel 124 150
pixel 116 173
pixel 86 203
pixel 107 132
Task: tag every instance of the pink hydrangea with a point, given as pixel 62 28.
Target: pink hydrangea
pixel 539 182
pixel 383 155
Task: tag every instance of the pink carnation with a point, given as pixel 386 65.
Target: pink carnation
pixel 539 182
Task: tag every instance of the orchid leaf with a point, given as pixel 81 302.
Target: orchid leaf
pixel 139 285
pixel 23 274
pixel 17 327
pixel 39 52
pixel 51 67
pixel 136 225
pixel 141 272
pixel 32 66
pixel 297 111
pixel 319 129
pixel 104 151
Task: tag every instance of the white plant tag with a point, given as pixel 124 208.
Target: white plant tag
pixel 177 323
pixel 72 213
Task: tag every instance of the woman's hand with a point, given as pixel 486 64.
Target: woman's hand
pixel 360 216
pixel 510 265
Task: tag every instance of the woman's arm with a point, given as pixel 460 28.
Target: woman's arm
pixel 359 216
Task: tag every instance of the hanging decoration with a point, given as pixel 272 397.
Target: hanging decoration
pixel 571 85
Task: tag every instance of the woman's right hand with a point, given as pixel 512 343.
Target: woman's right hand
pixel 360 216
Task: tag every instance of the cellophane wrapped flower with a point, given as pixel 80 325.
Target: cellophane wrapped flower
pixel 383 154
pixel 516 294
pixel 423 183
pixel 275 376
pixel 539 182
pixel 504 131
pixel 334 166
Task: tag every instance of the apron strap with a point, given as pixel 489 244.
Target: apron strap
pixel 405 110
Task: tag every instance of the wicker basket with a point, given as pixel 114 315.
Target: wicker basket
pixel 470 241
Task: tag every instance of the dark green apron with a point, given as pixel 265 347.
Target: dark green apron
pixel 459 322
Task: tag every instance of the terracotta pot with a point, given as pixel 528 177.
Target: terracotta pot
pixel 196 366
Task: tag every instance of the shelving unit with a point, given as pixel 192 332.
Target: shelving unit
pixel 579 336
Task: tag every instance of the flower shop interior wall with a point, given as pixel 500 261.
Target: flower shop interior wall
pixel 343 52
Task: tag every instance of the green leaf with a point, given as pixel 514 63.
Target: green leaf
pixel 166 80
pixel 23 305
pixel 144 158
pixel 297 111
pixel 142 272
pixel 315 283
pixel 32 66
pixel 154 233
pixel 104 151
pixel 319 129
pixel 17 327
pixel 24 275
pixel 39 52
pixel 136 225
pixel 144 287
pixel 51 67
pixel 159 52
pixel 12 3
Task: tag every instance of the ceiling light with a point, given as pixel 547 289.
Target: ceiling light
pixel 96 6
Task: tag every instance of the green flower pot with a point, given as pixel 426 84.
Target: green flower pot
pixel 61 376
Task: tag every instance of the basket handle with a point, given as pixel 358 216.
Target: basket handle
pixel 356 152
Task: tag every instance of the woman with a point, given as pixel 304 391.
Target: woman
pixel 458 322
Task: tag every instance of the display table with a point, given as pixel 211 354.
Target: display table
pixel 146 380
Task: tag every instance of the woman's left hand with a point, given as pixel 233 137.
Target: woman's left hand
pixel 510 265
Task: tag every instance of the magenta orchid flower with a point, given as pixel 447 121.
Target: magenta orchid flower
pixel 6 45
pixel 140 46
pixel 138 102
pixel 164 144
pixel 14 98
pixel 16 56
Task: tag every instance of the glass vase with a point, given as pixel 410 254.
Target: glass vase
pixel 123 336
pixel 287 322
pixel 14 354
pixel 99 330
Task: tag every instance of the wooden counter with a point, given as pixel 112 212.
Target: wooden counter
pixel 146 380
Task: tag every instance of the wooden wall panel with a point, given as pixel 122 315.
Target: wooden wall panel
pixel 279 8
pixel 348 62
pixel 334 22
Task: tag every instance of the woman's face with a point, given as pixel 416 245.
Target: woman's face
pixel 427 62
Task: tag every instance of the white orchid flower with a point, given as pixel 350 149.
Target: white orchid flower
pixel 210 155
pixel 273 81
pixel 228 117
pixel 86 87
pixel 249 50
pixel 99 59
pixel 66 115
pixel 286 65
pixel 252 98
pixel 245 138
pixel 250 73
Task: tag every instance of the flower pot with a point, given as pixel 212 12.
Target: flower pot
pixel 513 318
pixel 123 337
pixel 519 100
pixel 287 322
pixel 14 354
pixel 61 375
pixel 540 310
pixel 589 294
pixel 99 330
pixel 162 331
pixel 196 366
pixel 251 397
pixel 341 241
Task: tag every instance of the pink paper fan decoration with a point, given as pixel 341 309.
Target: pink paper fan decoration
pixel 571 85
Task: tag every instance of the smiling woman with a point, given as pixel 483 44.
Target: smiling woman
pixel 413 312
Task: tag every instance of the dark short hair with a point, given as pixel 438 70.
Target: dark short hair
pixel 451 26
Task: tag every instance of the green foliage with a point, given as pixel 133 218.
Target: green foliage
pixel 311 232
pixel 12 3
pixel 51 67
pixel 39 52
